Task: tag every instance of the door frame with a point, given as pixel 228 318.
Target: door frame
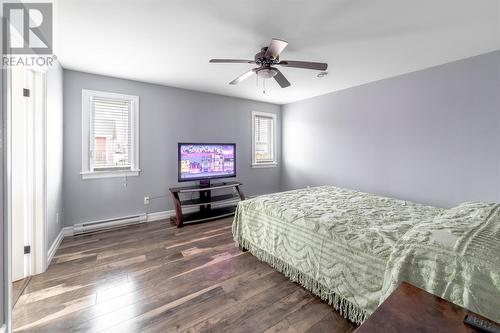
pixel 39 235
pixel 7 199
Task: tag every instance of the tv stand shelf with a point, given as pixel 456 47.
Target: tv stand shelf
pixel 205 201
pixel 216 199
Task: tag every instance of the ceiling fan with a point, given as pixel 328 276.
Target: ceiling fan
pixel 266 59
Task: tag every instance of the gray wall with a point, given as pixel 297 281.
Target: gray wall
pixel 54 151
pixel 431 136
pixel 167 116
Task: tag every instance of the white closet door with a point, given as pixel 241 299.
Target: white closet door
pixel 21 212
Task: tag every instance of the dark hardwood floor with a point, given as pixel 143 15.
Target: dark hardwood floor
pixel 157 278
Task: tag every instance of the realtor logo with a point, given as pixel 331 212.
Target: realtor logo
pixel 27 28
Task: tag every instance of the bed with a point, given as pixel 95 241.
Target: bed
pixel 352 249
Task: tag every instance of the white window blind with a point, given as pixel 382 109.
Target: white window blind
pixel 111 134
pixel 263 138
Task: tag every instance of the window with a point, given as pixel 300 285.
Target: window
pixel 263 139
pixel 110 135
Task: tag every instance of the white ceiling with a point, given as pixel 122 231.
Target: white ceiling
pixel 170 42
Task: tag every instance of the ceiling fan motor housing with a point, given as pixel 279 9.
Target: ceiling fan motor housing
pixel 262 60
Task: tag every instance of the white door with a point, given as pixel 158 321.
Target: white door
pixel 22 176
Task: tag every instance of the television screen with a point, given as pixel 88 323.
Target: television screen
pixel 206 160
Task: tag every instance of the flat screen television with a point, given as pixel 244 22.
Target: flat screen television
pixel 205 161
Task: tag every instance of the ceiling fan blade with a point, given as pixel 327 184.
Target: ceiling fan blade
pixel 243 76
pixel 320 66
pixel 281 79
pixel 275 48
pixel 232 61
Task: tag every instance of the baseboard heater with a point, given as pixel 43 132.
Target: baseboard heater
pixel 86 227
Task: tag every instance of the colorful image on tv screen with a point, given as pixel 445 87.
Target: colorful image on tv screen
pixel 206 161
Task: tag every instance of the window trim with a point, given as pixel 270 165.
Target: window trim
pixel 86 173
pixel 274 162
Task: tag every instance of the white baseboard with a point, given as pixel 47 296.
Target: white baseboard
pixel 166 214
pixel 156 216
pixel 55 245
pixel 2 329
pixel 67 231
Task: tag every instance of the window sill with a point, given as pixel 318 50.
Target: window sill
pixel 109 174
pixel 265 165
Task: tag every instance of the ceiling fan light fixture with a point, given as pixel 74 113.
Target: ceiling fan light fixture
pixel 267 73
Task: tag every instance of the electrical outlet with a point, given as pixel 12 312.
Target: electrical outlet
pixel 57 218
pixel 146 200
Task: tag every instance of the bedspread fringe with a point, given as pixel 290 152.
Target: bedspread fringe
pixel 343 306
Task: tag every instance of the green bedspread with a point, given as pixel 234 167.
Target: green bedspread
pixel 339 244
pixel 456 257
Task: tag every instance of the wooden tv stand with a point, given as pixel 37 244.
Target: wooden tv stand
pixel 204 202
